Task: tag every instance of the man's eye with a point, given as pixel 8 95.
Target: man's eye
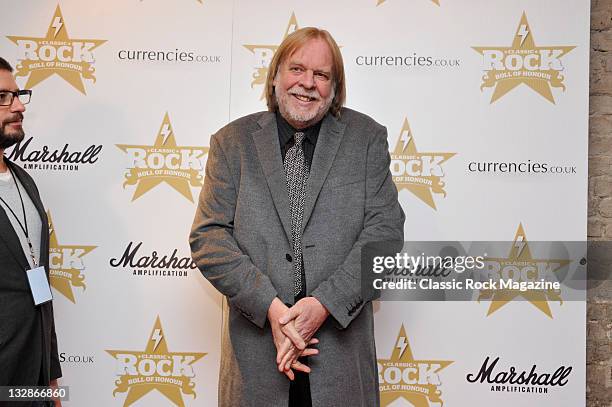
pixel 4 97
pixel 295 69
pixel 322 75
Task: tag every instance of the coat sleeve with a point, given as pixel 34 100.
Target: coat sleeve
pixel 214 249
pixel 341 293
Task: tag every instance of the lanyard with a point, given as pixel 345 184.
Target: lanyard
pixel 25 220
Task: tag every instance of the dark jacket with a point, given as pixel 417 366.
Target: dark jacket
pixel 28 344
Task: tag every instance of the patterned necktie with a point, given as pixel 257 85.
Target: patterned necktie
pixel 296 172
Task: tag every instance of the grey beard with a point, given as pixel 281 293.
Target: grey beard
pixel 308 119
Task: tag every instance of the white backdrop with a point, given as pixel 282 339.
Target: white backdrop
pixel 105 77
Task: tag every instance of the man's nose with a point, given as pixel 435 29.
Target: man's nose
pixel 307 79
pixel 17 106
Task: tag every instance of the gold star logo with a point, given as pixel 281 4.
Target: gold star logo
pixel 264 53
pixel 521 266
pixel 65 264
pixel 436 2
pixel 419 173
pixel 523 63
pixel 56 53
pixel 164 161
pixel 156 368
pixel 403 376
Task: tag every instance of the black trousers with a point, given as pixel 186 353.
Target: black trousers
pixel 299 389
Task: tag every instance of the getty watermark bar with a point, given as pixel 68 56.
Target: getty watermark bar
pixel 491 271
pixel 34 393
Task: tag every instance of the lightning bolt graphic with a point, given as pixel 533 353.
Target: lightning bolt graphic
pixel 523 32
pixel 401 345
pixel 520 244
pixel 405 137
pixel 57 24
pixel 292 26
pixel 165 133
pixel 157 337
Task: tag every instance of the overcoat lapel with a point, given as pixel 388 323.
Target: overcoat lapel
pixel 10 238
pixel 268 151
pixel 328 142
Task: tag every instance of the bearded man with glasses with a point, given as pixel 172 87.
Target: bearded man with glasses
pixel 28 344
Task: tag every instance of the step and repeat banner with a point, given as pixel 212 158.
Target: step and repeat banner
pixel 486 106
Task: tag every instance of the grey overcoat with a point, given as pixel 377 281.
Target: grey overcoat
pixel 240 241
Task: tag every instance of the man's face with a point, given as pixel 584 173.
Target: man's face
pixel 304 86
pixel 11 116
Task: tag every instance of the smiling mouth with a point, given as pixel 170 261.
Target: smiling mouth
pixel 304 98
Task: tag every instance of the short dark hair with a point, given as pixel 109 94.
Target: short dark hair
pixel 5 66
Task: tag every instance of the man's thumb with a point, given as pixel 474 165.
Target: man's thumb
pixel 288 316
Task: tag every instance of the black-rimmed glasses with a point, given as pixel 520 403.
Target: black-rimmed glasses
pixel 7 97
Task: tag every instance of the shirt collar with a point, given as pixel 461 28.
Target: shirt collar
pixel 287 131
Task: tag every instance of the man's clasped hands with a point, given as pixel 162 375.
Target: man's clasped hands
pixel 293 332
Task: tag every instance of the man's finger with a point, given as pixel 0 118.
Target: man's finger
pixel 285 348
pixel 297 365
pixel 309 352
pixel 292 333
pixel 289 358
pixel 289 373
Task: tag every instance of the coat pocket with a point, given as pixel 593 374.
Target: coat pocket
pixel 336 182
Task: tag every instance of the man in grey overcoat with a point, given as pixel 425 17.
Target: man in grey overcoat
pixel 290 197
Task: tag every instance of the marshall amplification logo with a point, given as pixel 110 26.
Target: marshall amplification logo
pixel 56 53
pixel 164 161
pixel 54 159
pixel 263 55
pixel 153 264
pixel 403 376
pixel 523 62
pixel 417 172
pixel 521 268
pixel 155 368
pixel 515 380
pixel 66 264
